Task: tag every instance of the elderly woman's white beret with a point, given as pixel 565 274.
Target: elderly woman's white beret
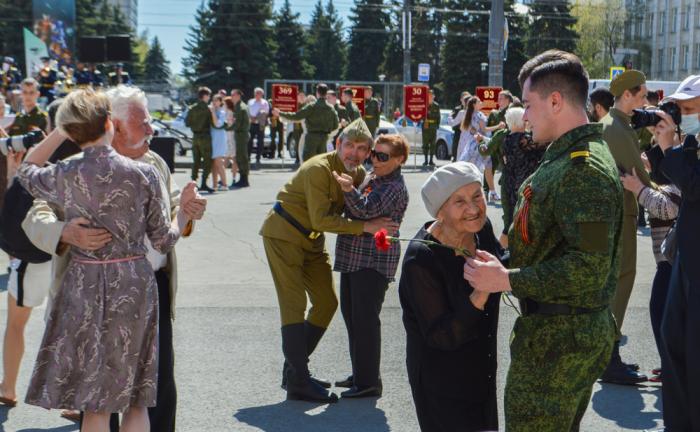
pixel 444 181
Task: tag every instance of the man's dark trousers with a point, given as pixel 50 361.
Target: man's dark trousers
pixel 256 133
pixel 162 416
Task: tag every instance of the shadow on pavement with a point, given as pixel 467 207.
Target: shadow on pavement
pixel 66 428
pixel 344 416
pixel 624 405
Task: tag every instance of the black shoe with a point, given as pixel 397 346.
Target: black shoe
pixel 622 376
pixel 631 366
pixel 241 183
pixel 346 383
pixel 354 392
pixel 425 164
pixel 204 188
pixel 309 391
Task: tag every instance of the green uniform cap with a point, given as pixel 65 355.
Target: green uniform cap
pixel 627 80
pixel 357 131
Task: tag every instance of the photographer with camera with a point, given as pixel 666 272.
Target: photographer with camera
pixel 680 328
pixel 629 90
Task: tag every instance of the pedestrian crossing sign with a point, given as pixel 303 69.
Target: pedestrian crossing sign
pixel 615 71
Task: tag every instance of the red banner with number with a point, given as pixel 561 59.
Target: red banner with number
pixel 489 97
pixel 284 97
pixel 358 96
pixel 415 101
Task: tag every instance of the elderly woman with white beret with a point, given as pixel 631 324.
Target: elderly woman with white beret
pixel 450 327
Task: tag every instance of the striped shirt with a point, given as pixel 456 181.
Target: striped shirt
pixel 385 196
pixel 663 206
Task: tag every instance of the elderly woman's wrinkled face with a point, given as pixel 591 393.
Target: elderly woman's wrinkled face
pixel 465 211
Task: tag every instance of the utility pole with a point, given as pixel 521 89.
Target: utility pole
pixel 406 27
pixel 496 43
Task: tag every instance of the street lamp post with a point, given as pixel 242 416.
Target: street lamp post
pixel 484 73
pixel 385 97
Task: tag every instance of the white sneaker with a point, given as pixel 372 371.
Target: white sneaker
pixel 493 196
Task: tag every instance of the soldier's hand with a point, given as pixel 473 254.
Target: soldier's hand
pixel 665 131
pixel 374 225
pixel 485 273
pixel 632 182
pixel 345 181
pixel 76 233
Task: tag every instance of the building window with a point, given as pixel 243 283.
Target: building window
pixel 650 24
pixel 686 17
pixel 685 60
pixel 674 19
pixel 661 60
pixel 672 59
pixel 662 22
pixel 697 55
pixel 638 28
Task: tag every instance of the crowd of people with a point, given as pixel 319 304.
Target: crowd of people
pixel 104 214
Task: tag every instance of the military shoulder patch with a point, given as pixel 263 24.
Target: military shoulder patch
pixel 579 157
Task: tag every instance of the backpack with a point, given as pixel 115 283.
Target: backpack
pixel 13 239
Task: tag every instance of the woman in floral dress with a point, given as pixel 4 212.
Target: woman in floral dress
pixel 98 353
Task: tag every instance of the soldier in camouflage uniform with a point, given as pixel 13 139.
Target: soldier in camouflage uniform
pixel 430 128
pixel 372 111
pixel 352 109
pixel 199 120
pixel 321 120
pixel 565 255
pixel 241 136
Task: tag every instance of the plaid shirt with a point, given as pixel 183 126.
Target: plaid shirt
pixel 382 197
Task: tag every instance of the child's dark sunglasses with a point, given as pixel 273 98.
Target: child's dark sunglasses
pixel 381 157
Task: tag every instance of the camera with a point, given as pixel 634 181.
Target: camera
pixel 20 143
pixel 644 118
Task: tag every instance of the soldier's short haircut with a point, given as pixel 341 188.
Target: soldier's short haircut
pixel 330 93
pixel 602 97
pixel 321 89
pixel 507 94
pixel 239 92
pixel 557 71
pixel 653 97
pixel 203 91
pixel 348 91
pixel 30 82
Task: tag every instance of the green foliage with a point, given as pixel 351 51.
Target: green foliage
pixel 551 26
pixel 368 38
pixel 327 48
pixel 14 16
pixel 156 70
pixel 291 45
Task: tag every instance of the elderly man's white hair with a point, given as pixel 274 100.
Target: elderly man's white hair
pixel 123 98
pixel 258 89
pixel 514 118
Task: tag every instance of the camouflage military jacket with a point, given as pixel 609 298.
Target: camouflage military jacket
pixel 432 121
pixel 241 122
pixel 25 121
pixel 573 223
pixel 372 112
pixel 198 118
pixel 353 111
pixel 320 117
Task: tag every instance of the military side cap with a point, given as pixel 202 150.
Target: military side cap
pixel 627 80
pixel 357 131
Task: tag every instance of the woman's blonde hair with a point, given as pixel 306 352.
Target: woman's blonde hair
pixel 83 115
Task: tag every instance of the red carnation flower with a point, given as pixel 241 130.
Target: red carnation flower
pixel 381 240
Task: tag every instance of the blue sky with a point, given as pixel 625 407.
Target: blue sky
pixel 170 19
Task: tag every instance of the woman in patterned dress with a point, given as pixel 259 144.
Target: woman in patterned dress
pixel 98 353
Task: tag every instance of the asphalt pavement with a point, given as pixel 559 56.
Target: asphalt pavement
pixel 227 339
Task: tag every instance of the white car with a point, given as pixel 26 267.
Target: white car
pixel 413 133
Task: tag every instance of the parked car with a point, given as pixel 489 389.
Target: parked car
pixel 414 135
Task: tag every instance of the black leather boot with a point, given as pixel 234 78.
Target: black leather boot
pixel 431 163
pixel 298 380
pixel 313 335
pixel 242 182
pixel 204 188
pixel 619 373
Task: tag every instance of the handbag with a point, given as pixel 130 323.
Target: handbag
pixel 670 244
pixel 13 240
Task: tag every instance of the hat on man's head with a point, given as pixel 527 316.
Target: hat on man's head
pixel 689 89
pixel 357 131
pixel 444 181
pixel 627 80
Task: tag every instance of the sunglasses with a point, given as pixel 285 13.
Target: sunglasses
pixel 381 156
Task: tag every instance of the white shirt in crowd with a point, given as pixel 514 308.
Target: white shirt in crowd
pixel 256 107
pixel 157 259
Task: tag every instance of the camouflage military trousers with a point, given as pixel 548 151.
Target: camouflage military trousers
pixel 242 156
pixel 429 137
pixel 201 155
pixel 555 360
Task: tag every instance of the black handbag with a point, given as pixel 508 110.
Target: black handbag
pixel 13 240
pixel 670 244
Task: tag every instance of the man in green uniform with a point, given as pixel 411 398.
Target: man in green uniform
pixel 310 204
pixel 430 128
pixel 199 120
pixel 298 129
pixel 321 120
pixel 372 111
pixel 241 136
pixel 276 135
pixel 343 115
pixel 352 109
pixel 31 116
pixel 629 89
pixel 565 253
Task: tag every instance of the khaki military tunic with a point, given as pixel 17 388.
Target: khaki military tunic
pixel 372 113
pixel 321 120
pixel 430 128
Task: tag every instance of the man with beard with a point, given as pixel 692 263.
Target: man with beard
pixel 310 204
pixel 132 132
pixel 601 102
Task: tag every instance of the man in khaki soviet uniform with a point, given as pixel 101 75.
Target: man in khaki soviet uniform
pixel 310 204
pixel 430 128
pixel 372 111
pixel 352 109
pixel 629 90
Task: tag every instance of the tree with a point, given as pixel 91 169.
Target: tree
pixel 600 26
pixel 392 66
pixel 552 26
pixel 291 44
pixel 15 15
pixel 156 69
pixel 327 49
pixel 198 45
pixel 368 39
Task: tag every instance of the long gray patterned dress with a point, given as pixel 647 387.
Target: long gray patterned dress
pixel 99 350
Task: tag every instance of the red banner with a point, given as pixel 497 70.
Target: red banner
pixel 358 96
pixel 489 97
pixel 415 101
pixel 284 97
